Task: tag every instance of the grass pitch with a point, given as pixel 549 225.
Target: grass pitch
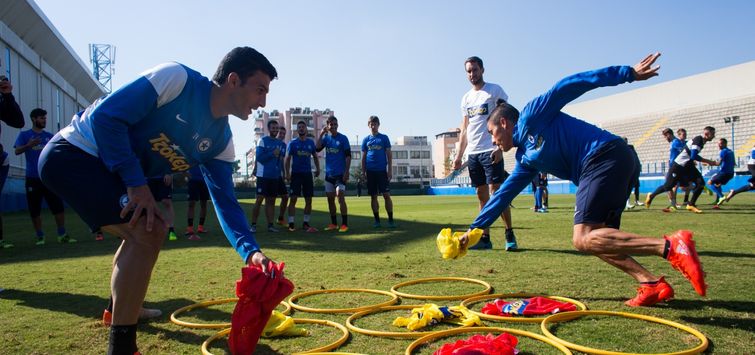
pixel 54 295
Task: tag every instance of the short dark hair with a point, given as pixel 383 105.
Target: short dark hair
pixel 681 130
pixel 270 123
pixel 504 110
pixel 373 119
pixel 724 140
pixel 244 61
pixel 709 128
pixel 667 131
pixel 37 112
pixel 474 59
pixel 282 127
pixel 301 122
pixel 331 118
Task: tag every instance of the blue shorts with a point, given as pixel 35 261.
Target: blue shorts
pixel 302 184
pixel 82 180
pixel 721 178
pixel 377 182
pixel 159 190
pixel 198 191
pixel 606 182
pixel 267 187
pixel 482 171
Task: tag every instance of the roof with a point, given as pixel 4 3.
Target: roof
pixel 706 88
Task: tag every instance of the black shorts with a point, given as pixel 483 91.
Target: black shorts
pixel 198 190
pixel 751 168
pixel 35 191
pixel 721 178
pixel 84 183
pixel 334 182
pixel 482 171
pixel 302 184
pixel 377 182
pixel 3 175
pixel 159 190
pixel 606 182
pixel 267 187
pixel 282 189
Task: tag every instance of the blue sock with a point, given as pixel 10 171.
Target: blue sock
pixel 61 231
pixel 717 190
pixel 40 234
pixel 538 198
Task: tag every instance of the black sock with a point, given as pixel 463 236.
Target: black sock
pixel 305 225
pixel 280 218
pixel 345 219
pixel 333 219
pixel 390 217
pixel 171 230
pixel 201 221
pixel 269 225
pixel 190 222
pixel 122 340
pixel 254 224
pixel 666 249
pixel 291 225
pixel 650 282
pixel 485 237
pixel 377 217
pixel 110 305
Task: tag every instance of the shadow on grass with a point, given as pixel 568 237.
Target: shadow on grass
pixel 725 254
pixel 723 322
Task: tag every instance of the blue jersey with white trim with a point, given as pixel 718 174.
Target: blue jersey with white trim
pixel 268 156
pixel 301 152
pixel 375 150
pixel 336 150
pixel 726 157
pixel 161 123
pixel 551 141
pixel 32 154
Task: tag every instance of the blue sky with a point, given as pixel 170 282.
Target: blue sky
pixel 403 60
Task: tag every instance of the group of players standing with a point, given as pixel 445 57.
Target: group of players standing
pixel 277 164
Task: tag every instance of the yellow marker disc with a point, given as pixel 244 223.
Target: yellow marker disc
pixel 384 334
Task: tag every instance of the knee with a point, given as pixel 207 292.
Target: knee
pixel 583 241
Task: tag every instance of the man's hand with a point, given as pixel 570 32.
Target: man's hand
pixel 345 179
pixel 168 179
pixel 140 200
pixel 33 142
pixel 390 175
pixel 317 172
pixel 644 69
pixel 496 155
pixel 457 163
pixel 259 259
pixel 464 240
pixel 324 131
pixel 277 152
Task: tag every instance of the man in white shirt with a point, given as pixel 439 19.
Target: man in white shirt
pixel 485 160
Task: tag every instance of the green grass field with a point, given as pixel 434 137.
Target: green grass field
pixel 54 295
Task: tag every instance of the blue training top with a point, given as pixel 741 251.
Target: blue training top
pixel 376 155
pixel 677 145
pixel 301 152
pixel 32 154
pixel 727 161
pixel 268 161
pixel 551 141
pixel 195 173
pixel 161 123
pixel 336 148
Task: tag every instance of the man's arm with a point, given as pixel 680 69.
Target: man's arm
pixel 218 176
pixel 319 145
pixel 10 112
pixel 574 86
pixel 287 168
pixel 347 164
pixel 22 145
pixel 514 184
pixel 389 157
pixel 317 164
pixel 462 143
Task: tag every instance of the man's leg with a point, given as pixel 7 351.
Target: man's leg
pixel 202 214
pixel 375 209
pixel 341 193
pixel 511 244
pixel 270 212
pixel 331 196
pixel 283 207
pixel 256 211
pixel 190 216
pixel 389 208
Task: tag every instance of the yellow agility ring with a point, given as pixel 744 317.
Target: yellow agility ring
pixel 395 288
pixel 385 334
pixel 292 300
pixel 444 333
pixel 571 315
pixel 175 320
pixel 322 349
pixel 580 306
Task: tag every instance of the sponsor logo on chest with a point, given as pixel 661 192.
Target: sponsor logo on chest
pixel 170 151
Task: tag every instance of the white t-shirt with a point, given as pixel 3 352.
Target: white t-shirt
pixel 477 106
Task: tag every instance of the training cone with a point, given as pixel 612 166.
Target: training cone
pixel 449 245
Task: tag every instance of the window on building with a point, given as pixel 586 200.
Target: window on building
pixel 402 170
pixel 400 154
pixel 415 172
pixel 356 155
pixel 425 154
pixel 415 154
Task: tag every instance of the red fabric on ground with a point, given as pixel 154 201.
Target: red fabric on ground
pixel 535 306
pixel 504 344
pixel 258 294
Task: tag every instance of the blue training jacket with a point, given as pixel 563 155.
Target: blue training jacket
pixel 551 141
pixel 161 123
